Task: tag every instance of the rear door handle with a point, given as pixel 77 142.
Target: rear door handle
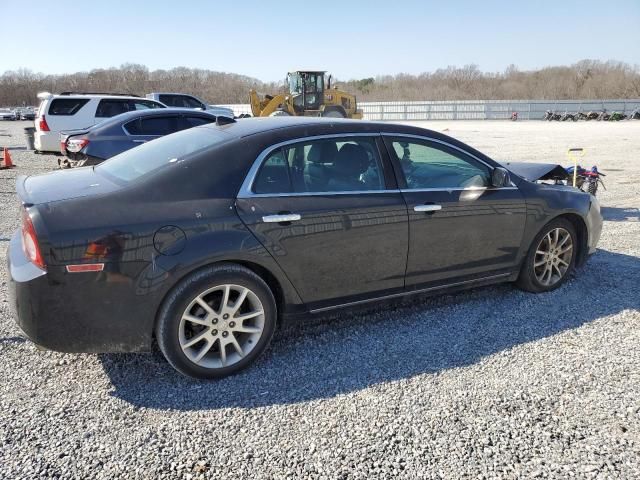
pixel 139 141
pixel 427 208
pixel 289 217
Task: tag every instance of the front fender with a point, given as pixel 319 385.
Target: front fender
pixel 546 202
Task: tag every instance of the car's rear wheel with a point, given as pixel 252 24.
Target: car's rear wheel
pixel 216 322
pixel 551 257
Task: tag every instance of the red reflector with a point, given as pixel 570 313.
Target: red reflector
pixel 85 267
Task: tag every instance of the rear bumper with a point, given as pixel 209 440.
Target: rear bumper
pixel 23 273
pixel 47 141
pixel 75 313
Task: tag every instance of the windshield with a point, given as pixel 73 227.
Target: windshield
pixel 295 83
pixel 160 153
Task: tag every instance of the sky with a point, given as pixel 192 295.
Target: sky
pixel 351 39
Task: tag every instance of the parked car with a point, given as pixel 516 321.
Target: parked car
pixel 182 100
pixel 75 110
pixel 6 114
pixel 27 114
pixel 120 133
pixel 207 238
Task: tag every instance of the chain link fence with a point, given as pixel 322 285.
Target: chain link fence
pixel 477 109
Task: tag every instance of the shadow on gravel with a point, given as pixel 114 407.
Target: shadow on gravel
pixel 617 214
pixel 347 353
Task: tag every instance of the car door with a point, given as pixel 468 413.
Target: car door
pixel 329 212
pixel 460 228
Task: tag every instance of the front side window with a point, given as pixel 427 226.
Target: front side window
pixel 181 101
pixel 432 165
pixel 153 126
pixel 330 165
pixel 111 108
pixel 144 105
pixel 67 106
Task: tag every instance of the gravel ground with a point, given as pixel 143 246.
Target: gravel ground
pixel 490 383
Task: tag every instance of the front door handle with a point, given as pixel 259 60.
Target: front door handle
pixel 139 141
pixel 288 217
pixel 427 208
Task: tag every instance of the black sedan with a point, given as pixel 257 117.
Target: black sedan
pixel 208 238
pixel 107 139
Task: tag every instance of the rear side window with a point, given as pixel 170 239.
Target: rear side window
pixel 191 121
pixel 144 105
pixel 111 108
pixel 67 106
pixel 152 126
pixel 333 165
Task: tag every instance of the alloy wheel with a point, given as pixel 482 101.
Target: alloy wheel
pixel 221 326
pixel 553 257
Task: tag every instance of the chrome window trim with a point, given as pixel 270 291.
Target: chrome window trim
pixel 247 185
pixel 245 190
pixel 455 189
pixel 318 194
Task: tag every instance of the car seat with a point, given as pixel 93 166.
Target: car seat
pixel 352 161
pixel 316 172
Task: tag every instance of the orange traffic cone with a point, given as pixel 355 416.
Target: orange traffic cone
pixel 7 159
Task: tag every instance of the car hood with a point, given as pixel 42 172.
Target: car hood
pixel 62 185
pixel 537 171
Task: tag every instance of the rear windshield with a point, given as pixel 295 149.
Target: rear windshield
pixel 160 153
pixel 67 106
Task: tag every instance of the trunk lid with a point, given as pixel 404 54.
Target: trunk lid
pixel 62 185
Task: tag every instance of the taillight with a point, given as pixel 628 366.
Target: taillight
pixel 74 145
pixel 42 124
pixel 30 241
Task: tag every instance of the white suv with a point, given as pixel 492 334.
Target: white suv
pixel 73 111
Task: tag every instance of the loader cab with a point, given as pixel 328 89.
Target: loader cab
pixel 306 89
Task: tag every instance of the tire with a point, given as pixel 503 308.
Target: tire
pixel 532 278
pixel 333 114
pixel 279 113
pixel 178 337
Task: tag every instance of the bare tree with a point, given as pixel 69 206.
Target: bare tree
pixel 587 79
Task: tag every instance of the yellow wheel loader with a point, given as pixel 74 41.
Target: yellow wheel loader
pixel 308 97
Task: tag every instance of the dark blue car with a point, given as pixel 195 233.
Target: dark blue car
pixel 97 143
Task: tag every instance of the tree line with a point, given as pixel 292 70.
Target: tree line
pixel 587 79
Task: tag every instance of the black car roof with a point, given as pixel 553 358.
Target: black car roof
pixel 270 130
pixel 255 125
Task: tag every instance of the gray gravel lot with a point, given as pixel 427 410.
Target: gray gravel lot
pixel 490 383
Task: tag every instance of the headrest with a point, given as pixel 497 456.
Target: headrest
pixel 323 152
pixel 352 160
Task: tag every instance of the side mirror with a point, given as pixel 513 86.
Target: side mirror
pixel 500 177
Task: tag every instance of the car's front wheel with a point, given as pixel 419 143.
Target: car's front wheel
pixel 551 257
pixel 216 322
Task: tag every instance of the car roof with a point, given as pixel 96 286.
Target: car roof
pixel 152 112
pixel 315 125
pixel 270 130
